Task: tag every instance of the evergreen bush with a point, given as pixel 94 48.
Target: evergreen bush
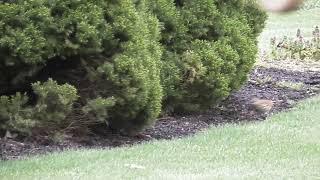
pixel 121 57
pixel 210 46
pixel 54 102
pixel 112 47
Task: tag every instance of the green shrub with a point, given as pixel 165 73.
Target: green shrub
pixel 14 116
pixel 33 32
pixel 118 59
pixel 53 103
pixel 131 73
pixel 98 109
pixel 210 46
pixel 113 47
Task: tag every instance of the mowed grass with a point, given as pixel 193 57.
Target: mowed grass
pixel 286 146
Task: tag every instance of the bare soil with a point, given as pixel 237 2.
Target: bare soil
pixel 235 109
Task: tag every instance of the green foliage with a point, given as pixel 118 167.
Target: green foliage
pixel 117 41
pixel 209 48
pixel 98 108
pixel 131 77
pixel 298 48
pixel 32 32
pixel 14 115
pixel 120 58
pixel 255 17
pixel 54 103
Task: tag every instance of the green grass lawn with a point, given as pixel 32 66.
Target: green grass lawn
pixel 286 146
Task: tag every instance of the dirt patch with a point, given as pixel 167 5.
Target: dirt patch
pixel 235 109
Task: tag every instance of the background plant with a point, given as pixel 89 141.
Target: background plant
pixel 310 4
pixel 298 48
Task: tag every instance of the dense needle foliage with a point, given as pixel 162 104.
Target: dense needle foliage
pixel 210 46
pixel 118 62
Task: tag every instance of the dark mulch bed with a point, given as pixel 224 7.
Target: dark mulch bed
pixel 235 109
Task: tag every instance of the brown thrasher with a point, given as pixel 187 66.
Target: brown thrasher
pixel 262 105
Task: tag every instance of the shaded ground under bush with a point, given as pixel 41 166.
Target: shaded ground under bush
pixel 268 83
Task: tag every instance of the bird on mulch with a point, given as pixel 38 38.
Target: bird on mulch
pixel 262 106
pixel 135 134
